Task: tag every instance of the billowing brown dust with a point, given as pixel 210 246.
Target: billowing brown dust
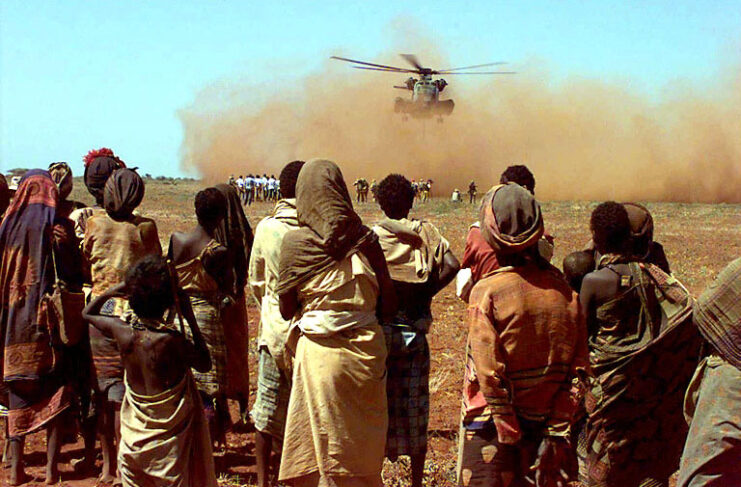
pixel 583 139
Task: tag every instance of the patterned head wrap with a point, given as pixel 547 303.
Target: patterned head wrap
pixel 717 313
pixel 123 192
pixel 511 220
pixel 61 174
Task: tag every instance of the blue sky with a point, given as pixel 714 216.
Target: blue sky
pixel 75 75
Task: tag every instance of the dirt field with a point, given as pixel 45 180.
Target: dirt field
pixel 699 241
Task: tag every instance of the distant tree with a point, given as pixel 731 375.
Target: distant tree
pixel 147 176
pixel 18 171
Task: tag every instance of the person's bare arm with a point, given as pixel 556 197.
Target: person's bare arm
pixel 199 357
pixel 450 268
pixel 150 237
pixel 110 326
pixel 387 302
pixel 586 296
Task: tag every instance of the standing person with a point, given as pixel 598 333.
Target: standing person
pixel 234 233
pixel 115 239
pixel 525 353
pixel 99 165
pixel 35 367
pixel 713 401
pixel 358 190
pixel 264 186
pixel 472 192
pixel 273 373
pixel 421 265
pixel 643 351
pixel 373 188
pixel 334 278
pixel 249 188
pixel 203 273
pixel 241 190
pixel 424 191
pixel 272 187
pixel 164 436
pixel 78 355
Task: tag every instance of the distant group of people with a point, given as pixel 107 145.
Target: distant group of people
pixel 256 188
pixel 422 189
pixel 594 372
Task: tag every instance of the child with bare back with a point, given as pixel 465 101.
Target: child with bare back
pixel 164 435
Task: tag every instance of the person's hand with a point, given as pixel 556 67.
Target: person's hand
pixel 554 463
pixel 61 234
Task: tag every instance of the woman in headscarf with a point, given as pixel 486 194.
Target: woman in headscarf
pixel 35 367
pixel 115 240
pixel 334 282
pixel 61 174
pixel 234 233
pixel 643 351
pixel 71 265
pixel 99 165
pixel 203 273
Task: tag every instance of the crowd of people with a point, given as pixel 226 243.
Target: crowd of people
pixel 256 188
pixel 422 189
pixel 608 371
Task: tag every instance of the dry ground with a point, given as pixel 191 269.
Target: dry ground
pixel 699 241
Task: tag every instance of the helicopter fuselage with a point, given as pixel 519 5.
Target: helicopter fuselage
pixel 425 100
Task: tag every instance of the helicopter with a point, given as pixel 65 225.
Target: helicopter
pixel 425 99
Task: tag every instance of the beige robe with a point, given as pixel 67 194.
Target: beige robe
pixel 337 414
pixel 165 439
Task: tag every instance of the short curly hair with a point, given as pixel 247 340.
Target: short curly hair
pixel 210 207
pixel 519 174
pixel 576 265
pixel 288 177
pixel 149 287
pixel 395 195
pixel 610 227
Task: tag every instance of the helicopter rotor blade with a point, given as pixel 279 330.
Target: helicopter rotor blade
pixel 485 72
pixel 499 63
pixel 367 64
pixel 412 59
pixel 386 70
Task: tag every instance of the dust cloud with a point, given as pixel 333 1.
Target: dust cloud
pixel 584 139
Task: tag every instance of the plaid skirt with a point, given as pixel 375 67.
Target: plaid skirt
pixel 213 382
pixel 270 409
pixel 408 391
